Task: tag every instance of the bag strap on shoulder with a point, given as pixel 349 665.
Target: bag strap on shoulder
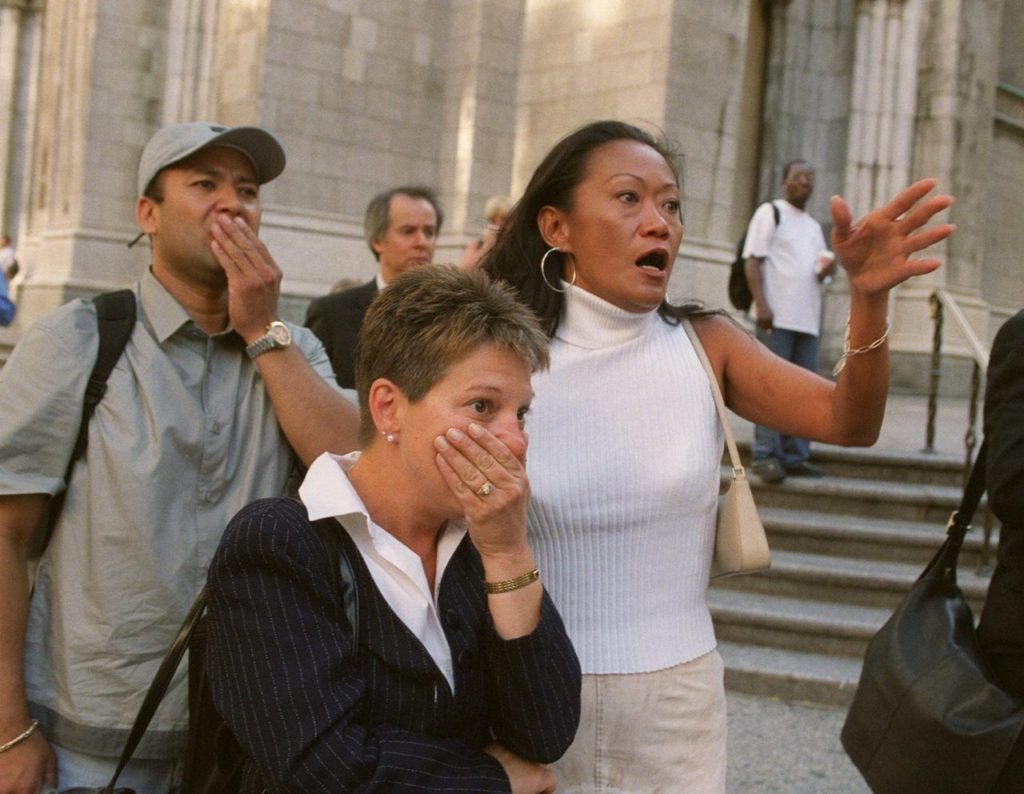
pixel 330 532
pixel 115 319
pixel 943 565
pixel 723 416
pixel 960 520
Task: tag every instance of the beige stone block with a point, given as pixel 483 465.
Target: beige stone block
pixel 353 64
pixel 364 33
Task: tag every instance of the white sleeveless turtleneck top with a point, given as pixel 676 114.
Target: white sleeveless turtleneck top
pixel 624 466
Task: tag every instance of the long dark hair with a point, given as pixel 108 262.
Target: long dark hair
pixel 516 254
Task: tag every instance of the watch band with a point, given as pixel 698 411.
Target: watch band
pixel 277 337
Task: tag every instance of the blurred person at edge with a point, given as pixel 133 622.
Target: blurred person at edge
pixel 1001 628
pixel 626 444
pixel 495 211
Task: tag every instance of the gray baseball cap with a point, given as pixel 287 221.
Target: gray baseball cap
pixel 175 142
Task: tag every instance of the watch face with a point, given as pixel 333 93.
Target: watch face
pixel 279 332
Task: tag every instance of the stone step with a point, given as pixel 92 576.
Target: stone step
pixel 867 537
pixel 858 497
pixel 845 549
pixel 790 675
pixel 891 466
pixel 836 629
pixel 912 465
pixel 817 579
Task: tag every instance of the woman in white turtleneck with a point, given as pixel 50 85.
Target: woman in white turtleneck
pixel 625 444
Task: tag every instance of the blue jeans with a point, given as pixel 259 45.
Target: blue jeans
pixel 800 349
pixel 146 777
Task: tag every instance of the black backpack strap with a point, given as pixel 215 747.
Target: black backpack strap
pixel 115 319
pixel 775 212
pixel 331 533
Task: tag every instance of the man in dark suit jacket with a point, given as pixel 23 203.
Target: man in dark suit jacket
pixel 401 227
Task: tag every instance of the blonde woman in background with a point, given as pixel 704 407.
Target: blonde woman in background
pixel 495 211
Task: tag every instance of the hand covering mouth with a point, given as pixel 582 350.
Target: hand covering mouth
pixel 656 260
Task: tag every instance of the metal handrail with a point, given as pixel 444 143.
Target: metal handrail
pixel 940 303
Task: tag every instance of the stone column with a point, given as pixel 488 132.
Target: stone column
pixel 952 141
pixel 191 35
pixel 10 35
pixel 883 100
pixel 883 106
pixel 479 111
pixel 18 24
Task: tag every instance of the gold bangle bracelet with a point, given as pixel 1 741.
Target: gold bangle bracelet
pixel 20 737
pixel 856 351
pixel 508 585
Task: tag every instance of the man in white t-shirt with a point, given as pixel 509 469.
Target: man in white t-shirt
pixel 7 272
pixel 787 264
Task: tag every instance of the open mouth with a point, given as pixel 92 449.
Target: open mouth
pixel 655 260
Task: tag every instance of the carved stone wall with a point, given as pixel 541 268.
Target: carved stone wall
pixel 467 95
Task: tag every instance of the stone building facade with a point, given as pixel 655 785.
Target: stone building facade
pixel 467 95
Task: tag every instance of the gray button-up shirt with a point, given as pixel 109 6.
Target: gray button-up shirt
pixel 183 438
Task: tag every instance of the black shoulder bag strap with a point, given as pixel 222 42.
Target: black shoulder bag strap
pixel 115 319
pixel 960 521
pixel 158 688
pixel 948 555
pixel 330 531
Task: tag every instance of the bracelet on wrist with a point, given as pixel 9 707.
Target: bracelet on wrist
pixel 508 585
pixel 20 737
pixel 856 351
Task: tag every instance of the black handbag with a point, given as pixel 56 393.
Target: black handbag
pixel 927 715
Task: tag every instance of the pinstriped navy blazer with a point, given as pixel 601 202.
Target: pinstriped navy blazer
pixel 313 715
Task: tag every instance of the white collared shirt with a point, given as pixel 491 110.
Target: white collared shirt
pixel 396 569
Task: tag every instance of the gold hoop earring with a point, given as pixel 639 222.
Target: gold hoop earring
pixel 544 276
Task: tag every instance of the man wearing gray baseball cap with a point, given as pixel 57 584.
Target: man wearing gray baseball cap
pixel 214 402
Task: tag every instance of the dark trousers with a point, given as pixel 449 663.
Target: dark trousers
pixel 1009 671
pixel 998 634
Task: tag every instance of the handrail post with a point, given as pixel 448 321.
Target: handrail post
pixel 970 440
pixel 970 437
pixel 935 309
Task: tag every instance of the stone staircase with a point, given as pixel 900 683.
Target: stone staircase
pixel 845 549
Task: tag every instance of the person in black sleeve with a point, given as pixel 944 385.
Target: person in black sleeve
pixel 1001 629
pixel 401 225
